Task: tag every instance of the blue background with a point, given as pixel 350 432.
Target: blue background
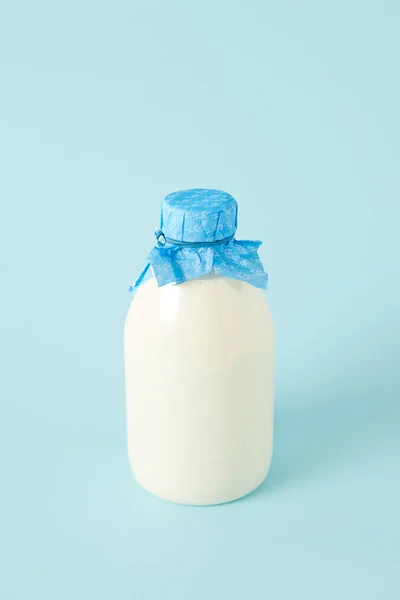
pixel 293 108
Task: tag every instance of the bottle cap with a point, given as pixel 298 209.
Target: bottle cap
pixel 198 215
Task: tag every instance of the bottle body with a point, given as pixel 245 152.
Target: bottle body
pixel 199 389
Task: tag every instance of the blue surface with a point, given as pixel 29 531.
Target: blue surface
pixel 293 109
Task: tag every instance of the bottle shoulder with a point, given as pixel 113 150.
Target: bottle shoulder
pixel 219 298
pixel 216 290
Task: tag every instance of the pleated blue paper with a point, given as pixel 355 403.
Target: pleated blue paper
pixel 196 237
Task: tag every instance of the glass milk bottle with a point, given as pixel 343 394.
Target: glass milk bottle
pixel 199 355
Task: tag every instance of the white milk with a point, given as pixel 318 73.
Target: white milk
pixel 199 389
